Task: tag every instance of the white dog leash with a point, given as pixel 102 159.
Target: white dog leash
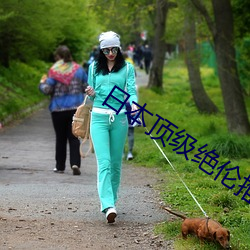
pixel 178 175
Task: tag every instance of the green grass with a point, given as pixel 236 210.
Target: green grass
pixel 19 88
pixel 175 103
pixel 231 146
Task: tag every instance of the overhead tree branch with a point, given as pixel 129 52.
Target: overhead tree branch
pixel 202 9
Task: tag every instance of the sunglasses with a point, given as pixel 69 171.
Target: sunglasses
pixel 106 51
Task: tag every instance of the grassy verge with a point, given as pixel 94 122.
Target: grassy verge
pixel 19 88
pixel 176 105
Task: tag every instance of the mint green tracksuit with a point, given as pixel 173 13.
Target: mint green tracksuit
pixel 109 135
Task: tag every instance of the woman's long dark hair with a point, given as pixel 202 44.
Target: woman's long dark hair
pixel 102 67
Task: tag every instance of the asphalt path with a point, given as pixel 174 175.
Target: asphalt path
pixel 31 190
pixel 26 164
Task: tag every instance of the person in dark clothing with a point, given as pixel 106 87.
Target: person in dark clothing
pixel 138 56
pixel 93 55
pixel 147 54
pixel 65 83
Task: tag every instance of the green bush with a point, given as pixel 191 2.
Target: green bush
pixel 19 88
pixel 224 200
pixel 231 146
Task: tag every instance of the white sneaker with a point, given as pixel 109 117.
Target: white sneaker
pixel 111 214
pixel 130 156
pixel 58 171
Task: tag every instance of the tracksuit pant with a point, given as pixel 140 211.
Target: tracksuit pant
pixel 109 137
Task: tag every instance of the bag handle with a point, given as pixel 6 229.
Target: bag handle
pixel 85 99
pixel 85 139
pixel 91 148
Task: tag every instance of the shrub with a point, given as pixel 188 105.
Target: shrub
pixel 224 200
pixel 231 146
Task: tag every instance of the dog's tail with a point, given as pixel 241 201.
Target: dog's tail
pixel 175 213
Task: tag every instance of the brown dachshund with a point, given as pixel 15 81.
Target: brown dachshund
pixel 204 228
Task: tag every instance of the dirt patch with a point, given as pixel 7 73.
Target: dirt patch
pixel 50 234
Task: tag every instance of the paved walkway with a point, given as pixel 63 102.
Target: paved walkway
pixel 27 158
pixel 141 78
pixel 29 189
pixel 26 163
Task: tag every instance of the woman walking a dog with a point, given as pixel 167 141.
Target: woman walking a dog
pixel 108 130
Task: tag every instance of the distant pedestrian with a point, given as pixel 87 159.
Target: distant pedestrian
pixel 138 56
pixel 131 136
pixel 65 84
pixel 131 128
pixel 93 55
pixel 147 54
pixel 108 130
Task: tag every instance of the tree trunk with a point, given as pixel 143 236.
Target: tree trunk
pixel 223 38
pixel 159 46
pixel 201 99
pixel 235 108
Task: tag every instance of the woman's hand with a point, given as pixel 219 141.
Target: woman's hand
pixel 134 107
pixel 43 79
pixel 90 91
pixel 137 122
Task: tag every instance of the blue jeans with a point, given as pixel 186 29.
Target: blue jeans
pixel 108 139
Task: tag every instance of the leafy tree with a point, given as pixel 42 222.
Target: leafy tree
pixel 241 18
pixel 201 99
pixel 242 33
pixel 175 24
pixel 221 28
pixel 22 35
pixel 126 17
pixel 156 72
pixel 28 33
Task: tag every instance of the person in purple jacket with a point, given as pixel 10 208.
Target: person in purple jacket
pixel 65 83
